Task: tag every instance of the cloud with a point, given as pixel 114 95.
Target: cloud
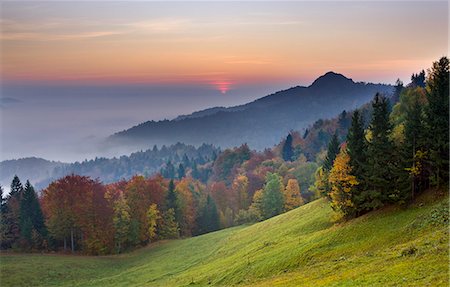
pixel 160 25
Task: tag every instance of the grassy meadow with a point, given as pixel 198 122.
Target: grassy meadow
pixel 303 247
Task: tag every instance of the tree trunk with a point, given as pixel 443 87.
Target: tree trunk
pixel 71 240
pixel 65 244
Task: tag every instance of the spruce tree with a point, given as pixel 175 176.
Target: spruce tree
pixel 357 152
pixel 288 152
pixel 181 171
pixel 172 201
pixel 210 217
pixel 12 216
pixel 437 118
pixel 333 150
pixel 412 166
pixel 380 175
pixel 398 88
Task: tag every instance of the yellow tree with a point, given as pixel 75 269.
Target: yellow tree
pixel 342 185
pixel 152 218
pixel 292 196
pixel 240 187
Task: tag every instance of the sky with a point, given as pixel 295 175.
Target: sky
pixel 75 72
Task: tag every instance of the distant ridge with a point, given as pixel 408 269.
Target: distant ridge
pixel 261 123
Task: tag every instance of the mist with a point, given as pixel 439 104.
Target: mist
pixel 68 123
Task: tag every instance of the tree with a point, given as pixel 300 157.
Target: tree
pixel 139 197
pixel 343 185
pixel 240 187
pixel 121 220
pixel 292 196
pixel 321 185
pixel 3 223
pixel 172 199
pixel 208 218
pixel 12 212
pixel 169 227
pixel 152 219
pixel 181 171
pixel 437 119
pixel 169 171
pixel 287 152
pixel 76 207
pixel 380 172
pixel 357 152
pixel 418 80
pixel 411 168
pixel 31 218
pixel 272 199
pixel 398 88
pixel 333 150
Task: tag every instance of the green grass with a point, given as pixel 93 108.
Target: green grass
pixel 304 247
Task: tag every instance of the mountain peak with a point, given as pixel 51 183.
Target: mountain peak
pixel 331 79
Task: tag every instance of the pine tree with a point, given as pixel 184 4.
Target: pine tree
pixel 411 170
pixel 169 171
pixel 380 175
pixel 31 218
pixel 418 80
pixel 333 150
pixel 171 198
pixel 437 118
pixel 181 171
pixel 288 152
pixel 357 152
pixel 208 217
pixel 398 88
pixel 3 226
pixel 12 212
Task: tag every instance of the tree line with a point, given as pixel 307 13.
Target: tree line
pixel 402 151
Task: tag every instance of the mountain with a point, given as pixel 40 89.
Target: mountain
pixel 303 247
pixel 32 168
pixel 261 123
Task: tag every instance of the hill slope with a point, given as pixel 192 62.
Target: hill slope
pixel 261 123
pixel 391 247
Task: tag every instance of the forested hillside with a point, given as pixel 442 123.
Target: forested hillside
pixel 261 123
pixel 385 153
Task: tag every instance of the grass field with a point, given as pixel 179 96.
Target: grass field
pixel 304 247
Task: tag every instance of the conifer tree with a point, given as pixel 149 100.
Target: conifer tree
pixel 288 152
pixel 437 118
pixel 357 152
pixel 333 150
pixel 31 218
pixel 181 171
pixel 380 175
pixel 208 217
pixel 12 211
pixel 412 163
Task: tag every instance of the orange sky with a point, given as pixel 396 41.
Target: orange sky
pixel 221 44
